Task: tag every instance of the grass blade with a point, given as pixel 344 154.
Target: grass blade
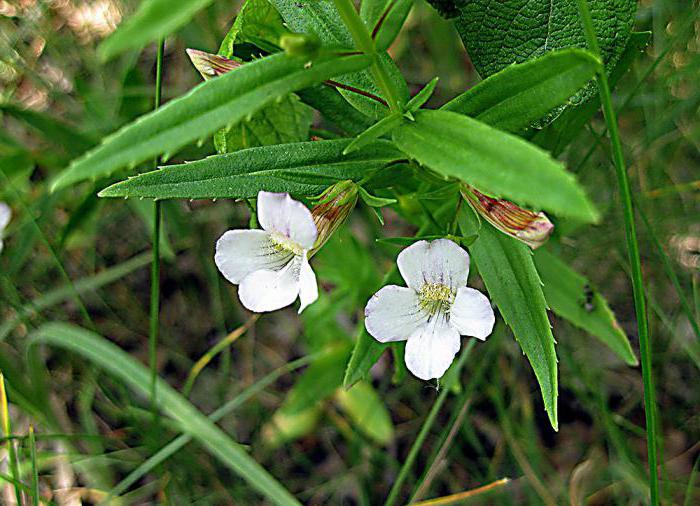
pixel 115 361
pixel 634 257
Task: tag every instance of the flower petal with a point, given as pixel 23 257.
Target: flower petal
pixel 5 216
pixel 308 288
pixel 278 212
pixel 431 349
pixel 265 290
pixel 241 252
pixel 441 261
pixel 471 313
pixel 393 314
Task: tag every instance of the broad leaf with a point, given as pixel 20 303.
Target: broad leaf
pixel 304 168
pixel 571 123
pixel 121 365
pixel 571 296
pixel 322 18
pixel 513 284
pixel 521 94
pixel 282 122
pixel 153 20
pixel 216 103
pixel 258 23
pixel 498 34
pixel 493 161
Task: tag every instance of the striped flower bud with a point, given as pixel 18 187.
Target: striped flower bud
pixel 211 65
pixel 531 228
pixel 334 206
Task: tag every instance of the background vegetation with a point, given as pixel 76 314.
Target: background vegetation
pixel 72 257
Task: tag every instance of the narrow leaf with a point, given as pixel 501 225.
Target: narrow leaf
pixel 365 354
pixel 521 94
pixel 121 365
pixel 219 102
pixel 422 96
pixel 367 411
pixel 380 128
pixel 571 296
pixel 493 161
pixel 304 168
pixel 512 281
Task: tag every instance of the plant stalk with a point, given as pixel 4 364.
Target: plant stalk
pixel 633 252
pixel 155 259
pixel 364 43
pixel 427 424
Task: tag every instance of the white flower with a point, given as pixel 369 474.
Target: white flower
pixel 435 309
pixel 271 265
pixel 5 216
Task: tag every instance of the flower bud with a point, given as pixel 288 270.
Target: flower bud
pixel 531 228
pixel 334 206
pixel 211 65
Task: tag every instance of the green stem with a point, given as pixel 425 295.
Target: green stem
pixel 155 259
pixel 364 43
pixel 427 424
pixel 633 251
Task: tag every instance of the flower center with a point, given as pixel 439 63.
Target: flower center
pixel 284 244
pixel 436 298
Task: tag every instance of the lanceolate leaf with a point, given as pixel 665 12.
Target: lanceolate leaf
pixel 121 365
pixel 560 133
pixel 570 296
pixel 521 94
pixel 512 281
pixel 493 161
pixel 384 19
pixel 216 103
pixel 304 168
pixel 152 21
pixel 497 34
pixel 365 354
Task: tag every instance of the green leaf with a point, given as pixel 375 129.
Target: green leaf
pixel 219 102
pixel 380 128
pixel 281 122
pixel 566 293
pixel 121 365
pixel 333 106
pixel 318 382
pixel 365 354
pixel 521 94
pixel 493 161
pixel 391 13
pixel 422 96
pixel 258 23
pixel 512 281
pixel 304 168
pixel 560 133
pixel 498 34
pixel 367 412
pixel 154 20
pixel 374 201
pixel 320 17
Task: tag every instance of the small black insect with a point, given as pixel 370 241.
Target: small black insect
pixel 299 5
pixel 587 300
